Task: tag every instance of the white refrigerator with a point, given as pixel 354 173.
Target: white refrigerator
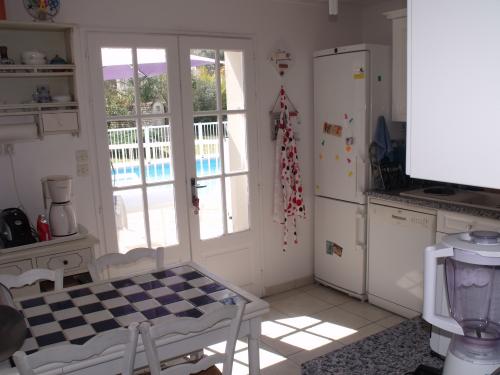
pixel 352 88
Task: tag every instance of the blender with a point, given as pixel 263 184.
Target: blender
pixel 62 217
pixel 472 270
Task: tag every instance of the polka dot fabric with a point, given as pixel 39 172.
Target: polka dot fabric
pixel 289 202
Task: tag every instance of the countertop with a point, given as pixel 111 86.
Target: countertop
pixel 394 195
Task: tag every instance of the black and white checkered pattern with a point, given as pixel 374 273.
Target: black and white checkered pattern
pixel 78 315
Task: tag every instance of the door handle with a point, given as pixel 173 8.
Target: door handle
pixel 194 195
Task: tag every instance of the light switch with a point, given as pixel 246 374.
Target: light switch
pixel 82 156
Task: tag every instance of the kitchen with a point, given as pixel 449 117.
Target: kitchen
pixel 274 270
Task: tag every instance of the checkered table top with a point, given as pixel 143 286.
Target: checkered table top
pixel 77 315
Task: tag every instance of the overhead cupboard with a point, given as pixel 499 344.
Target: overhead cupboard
pixel 453 91
pixel 38 95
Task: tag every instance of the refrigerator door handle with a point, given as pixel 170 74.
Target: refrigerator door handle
pixel 360 175
pixel 360 229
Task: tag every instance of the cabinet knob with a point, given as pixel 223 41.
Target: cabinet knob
pixel 65 262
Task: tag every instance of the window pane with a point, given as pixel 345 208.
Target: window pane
pixel 203 80
pixel 211 224
pixel 207 146
pixel 129 217
pixel 235 143
pixel 153 83
pixel 118 75
pixel 237 203
pixel 124 153
pixel 232 80
pixel 162 219
pixel 157 142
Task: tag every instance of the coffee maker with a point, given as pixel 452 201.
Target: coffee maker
pixel 62 217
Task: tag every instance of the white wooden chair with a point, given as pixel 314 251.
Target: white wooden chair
pixel 97 267
pixel 69 358
pixel 185 326
pixel 32 276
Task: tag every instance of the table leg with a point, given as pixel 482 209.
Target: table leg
pixel 253 346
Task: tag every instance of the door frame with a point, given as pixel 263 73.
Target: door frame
pixel 91 38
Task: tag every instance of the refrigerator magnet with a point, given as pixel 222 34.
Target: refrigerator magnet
pixel 348 148
pixel 345 116
pixel 321 156
pixel 349 141
pixel 349 173
pixel 351 120
pixel 337 130
pixel 337 157
pixel 337 249
pixel 329 247
pixel 322 142
pixel 349 161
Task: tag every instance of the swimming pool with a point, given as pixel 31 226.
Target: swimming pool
pixel 160 171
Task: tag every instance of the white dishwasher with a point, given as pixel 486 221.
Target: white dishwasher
pixel 397 238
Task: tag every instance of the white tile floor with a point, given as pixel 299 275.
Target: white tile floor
pixel 308 322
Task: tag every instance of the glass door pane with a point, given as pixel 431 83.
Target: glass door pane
pixel 218 102
pixel 136 92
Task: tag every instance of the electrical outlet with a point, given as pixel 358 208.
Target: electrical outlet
pixel 82 156
pixel 82 170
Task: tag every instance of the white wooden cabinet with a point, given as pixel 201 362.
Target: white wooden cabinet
pixel 454 91
pixel 72 255
pixel 399 70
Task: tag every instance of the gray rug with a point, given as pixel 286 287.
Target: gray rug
pixel 394 351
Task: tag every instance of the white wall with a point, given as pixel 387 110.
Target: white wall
pixel 376 27
pixel 300 29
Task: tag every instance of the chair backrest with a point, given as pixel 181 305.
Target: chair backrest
pixel 185 326
pixel 97 267
pixel 32 276
pixel 68 358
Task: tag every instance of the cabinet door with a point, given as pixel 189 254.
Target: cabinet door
pixel 399 69
pixel 454 91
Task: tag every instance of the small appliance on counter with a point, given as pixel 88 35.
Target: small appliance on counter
pixel 15 228
pixel 62 217
pixel 472 268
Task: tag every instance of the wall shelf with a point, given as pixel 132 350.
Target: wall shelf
pixel 19 71
pixel 18 81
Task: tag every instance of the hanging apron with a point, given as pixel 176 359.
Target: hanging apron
pixel 288 200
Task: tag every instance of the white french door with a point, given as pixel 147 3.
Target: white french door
pixel 221 173
pixel 173 128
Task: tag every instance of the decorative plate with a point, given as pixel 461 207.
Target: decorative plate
pixel 42 10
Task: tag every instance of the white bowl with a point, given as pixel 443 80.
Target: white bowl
pixel 35 62
pixel 32 55
pixel 61 98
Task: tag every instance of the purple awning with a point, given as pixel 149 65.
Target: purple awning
pixel 113 72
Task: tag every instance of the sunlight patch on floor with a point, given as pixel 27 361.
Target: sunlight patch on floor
pixel 331 331
pixel 306 341
pixel 305 332
pixel 299 322
pixel 275 330
pixel 267 358
pixel 221 346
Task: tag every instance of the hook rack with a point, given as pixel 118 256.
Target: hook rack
pixel 281 60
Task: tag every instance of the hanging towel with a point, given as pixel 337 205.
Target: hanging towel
pixel 288 201
pixel 382 139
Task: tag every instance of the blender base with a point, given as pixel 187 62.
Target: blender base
pixel 456 366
